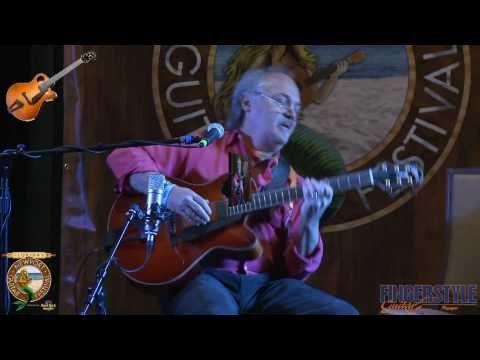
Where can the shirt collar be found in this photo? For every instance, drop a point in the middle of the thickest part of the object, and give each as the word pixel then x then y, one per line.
pixel 240 143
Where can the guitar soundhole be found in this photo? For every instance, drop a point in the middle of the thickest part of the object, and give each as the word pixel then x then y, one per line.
pixel 40 78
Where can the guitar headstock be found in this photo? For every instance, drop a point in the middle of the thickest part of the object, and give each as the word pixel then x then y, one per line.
pixel 88 56
pixel 357 57
pixel 394 178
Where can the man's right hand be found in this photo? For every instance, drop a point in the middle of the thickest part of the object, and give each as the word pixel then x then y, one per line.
pixel 182 201
pixel 190 205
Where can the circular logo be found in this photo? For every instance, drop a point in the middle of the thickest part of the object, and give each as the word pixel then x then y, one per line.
pixel 29 279
pixel 391 103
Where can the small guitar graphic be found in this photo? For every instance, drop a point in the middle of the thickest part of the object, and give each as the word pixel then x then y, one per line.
pixel 24 100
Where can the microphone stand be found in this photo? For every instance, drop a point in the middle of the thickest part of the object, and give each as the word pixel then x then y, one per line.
pixel 5 211
pixel 98 293
pixel 6 157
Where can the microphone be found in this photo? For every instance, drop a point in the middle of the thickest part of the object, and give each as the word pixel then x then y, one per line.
pixel 152 214
pixel 215 131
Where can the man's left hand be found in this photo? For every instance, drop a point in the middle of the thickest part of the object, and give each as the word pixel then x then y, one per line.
pixel 318 197
pixel 342 68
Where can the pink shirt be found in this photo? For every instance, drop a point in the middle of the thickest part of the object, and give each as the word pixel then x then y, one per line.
pixel 278 229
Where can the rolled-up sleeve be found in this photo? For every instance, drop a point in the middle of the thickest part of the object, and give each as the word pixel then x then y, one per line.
pixel 126 162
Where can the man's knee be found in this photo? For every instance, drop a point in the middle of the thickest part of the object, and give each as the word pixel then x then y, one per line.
pixel 205 295
pixel 289 284
pixel 314 301
pixel 341 307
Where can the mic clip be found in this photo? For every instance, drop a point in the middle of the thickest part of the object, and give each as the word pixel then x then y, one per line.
pixel 190 140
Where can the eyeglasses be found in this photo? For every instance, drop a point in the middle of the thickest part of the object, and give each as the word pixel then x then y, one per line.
pixel 284 102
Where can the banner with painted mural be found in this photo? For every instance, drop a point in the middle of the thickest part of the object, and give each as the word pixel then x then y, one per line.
pixel 362 105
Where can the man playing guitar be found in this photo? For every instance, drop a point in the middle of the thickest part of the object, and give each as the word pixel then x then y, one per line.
pixel 264 113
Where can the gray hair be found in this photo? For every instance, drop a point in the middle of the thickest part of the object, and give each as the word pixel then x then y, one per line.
pixel 251 80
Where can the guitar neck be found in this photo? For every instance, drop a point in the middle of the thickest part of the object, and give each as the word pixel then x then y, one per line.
pixel 321 74
pixel 356 58
pixel 50 82
pixel 270 199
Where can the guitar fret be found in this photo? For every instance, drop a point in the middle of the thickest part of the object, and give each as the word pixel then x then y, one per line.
pixel 366 180
pixel 268 199
pixel 351 181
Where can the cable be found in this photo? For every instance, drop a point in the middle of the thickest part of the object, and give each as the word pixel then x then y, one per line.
pixel 97 149
pixel 7 216
pixel 130 271
pixel 5 196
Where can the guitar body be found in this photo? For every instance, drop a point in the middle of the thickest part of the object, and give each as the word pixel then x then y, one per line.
pixel 24 100
pixel 177 251
pixel 173 259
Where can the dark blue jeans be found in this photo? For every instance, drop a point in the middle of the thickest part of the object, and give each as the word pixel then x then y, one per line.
pixel 218 292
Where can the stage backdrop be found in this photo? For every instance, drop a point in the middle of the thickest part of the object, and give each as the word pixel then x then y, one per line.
pixel 394 103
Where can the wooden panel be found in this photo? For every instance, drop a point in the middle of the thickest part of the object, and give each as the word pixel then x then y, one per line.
pixel 107 101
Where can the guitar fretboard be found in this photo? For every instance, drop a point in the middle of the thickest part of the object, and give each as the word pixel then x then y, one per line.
pixel 50 82
pixel 269 199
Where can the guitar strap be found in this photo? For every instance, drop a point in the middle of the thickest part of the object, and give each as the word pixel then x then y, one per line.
pixel 237 187
pixel 280 175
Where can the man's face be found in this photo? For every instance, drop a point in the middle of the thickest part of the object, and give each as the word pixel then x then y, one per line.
pixel 272 111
